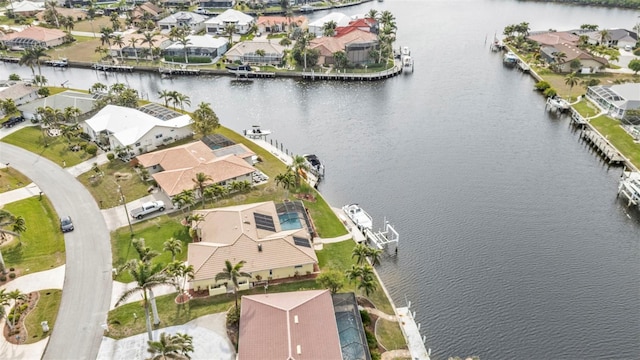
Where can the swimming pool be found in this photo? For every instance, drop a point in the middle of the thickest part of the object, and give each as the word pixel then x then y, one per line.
pixel 289 221
pixel 350 339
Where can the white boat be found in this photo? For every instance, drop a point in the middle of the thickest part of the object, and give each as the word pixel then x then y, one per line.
pixel 510 58
pixel 256 132
pixel 358 216
pixel 316 167
pixel 558 103
pixel 240 70
pixel 404 51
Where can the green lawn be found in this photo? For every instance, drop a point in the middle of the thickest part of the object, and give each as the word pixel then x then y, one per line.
pixel 586 108
pixel 105 188
pixel 11 179
pixel 390 335
pixel 46 310
pixel 610 128
pixel 154 232
pixel 41 247
pixel 123 324
pixel 57 150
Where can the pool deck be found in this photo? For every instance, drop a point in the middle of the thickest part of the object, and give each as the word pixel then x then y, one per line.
pixel 412 334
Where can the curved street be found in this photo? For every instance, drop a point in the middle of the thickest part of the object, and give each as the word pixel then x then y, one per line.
pixel 87 284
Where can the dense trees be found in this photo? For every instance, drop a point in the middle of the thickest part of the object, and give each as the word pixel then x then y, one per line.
pixel 205 120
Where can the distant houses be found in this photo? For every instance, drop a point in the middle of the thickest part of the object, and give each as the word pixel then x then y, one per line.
pixel 33 36
pixel 201 46
pixel 239 20
pixel 562 50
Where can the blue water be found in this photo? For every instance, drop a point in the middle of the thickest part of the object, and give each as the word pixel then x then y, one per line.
pixel 289 221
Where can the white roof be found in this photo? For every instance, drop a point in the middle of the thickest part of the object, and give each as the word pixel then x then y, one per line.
pixel 129 125
pixel 340 19
pixel 184 16
pixel 27 6
pixel 201 41
pixel 231 15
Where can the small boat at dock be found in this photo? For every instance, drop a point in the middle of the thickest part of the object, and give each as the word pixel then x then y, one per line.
pixel 256 132
pixel 510 59
pixel 316 167
pixel 359 217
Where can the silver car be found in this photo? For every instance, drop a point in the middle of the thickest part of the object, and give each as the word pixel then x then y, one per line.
pixel 66 224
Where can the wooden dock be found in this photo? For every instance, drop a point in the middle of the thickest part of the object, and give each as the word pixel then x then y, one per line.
pixel 603 147
pixel 396 70
pixel 112 67
pixel 577 119
pixel 178 71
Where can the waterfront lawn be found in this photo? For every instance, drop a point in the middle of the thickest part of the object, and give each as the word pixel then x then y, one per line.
pixel 122 323
pixel 11 179
pixel 586 108
pixel 84 49
pixel 154 232
pixel 57 150
pixel 46 310
pixel 610 128
pixel 104 188
pixel 390 335
pixel 39 248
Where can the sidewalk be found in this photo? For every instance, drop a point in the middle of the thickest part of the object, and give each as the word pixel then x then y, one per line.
pixel 19 194
pixel 85 166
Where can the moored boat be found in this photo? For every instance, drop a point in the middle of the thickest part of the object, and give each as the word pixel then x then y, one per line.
pixel 256 132
pixel 359 217
pixel 316 167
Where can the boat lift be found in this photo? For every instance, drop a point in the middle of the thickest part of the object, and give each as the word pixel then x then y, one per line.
pixel 386 239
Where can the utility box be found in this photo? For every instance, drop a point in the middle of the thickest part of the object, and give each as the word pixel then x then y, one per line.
pixel 45 326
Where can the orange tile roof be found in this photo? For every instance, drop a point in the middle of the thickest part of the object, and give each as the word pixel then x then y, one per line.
pixel 296 325
pixel 268 20
pixel 179 157
pixel 36 33
pixel 553 38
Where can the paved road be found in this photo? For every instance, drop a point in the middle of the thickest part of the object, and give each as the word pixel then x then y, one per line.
pixel 87 284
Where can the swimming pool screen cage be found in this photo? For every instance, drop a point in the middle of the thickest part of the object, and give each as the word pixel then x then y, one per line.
pixel 296 207
pixel 217 141
pixel 353 339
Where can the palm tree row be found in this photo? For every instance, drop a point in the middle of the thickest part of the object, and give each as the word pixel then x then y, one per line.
pixel 177 98
pixel 12 299
pixel 31 58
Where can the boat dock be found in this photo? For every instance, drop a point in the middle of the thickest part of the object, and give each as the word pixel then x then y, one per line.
pixel 629 187
pixel 10 59
pixel 577 119
pixel 523 66
pixel 411 331
pixel 386 239
pixel 178 71
pixel 312 75
pixel 112 67
pixel 602 146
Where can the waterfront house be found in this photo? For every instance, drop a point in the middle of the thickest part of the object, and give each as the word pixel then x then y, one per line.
pixel 60 101
pixel 122 127
pixel 588 63
pixel 277 24
pixel 247 53
pixel 364 24
pixel 355 43
pixel 148 10
pixel 551 38
pixel 142 49
pixel 274 245
pixel 241 21
pixel 316 27
pixel 617 100
pixel 173 169
pixel 311 324
pixel 615 38
pixel 18 91
pixel 34 36
pixel 75 14
pixel 194 22
pixel 199 45
pixel 26 8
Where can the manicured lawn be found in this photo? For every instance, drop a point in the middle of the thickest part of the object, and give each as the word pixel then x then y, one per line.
pixel 11 179
pixel 46 310
pixel 154 232
pixel 57 150
pixel 586 108
pixel 123 324
pixel 610 128
pixel 390 335
pixel 83 49
pixel 105 188
pixel 41 247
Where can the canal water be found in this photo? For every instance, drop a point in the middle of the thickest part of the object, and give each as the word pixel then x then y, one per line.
pixel 513 244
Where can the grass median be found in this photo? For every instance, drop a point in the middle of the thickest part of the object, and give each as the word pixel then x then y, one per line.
pixel 46 310
pixel 11 179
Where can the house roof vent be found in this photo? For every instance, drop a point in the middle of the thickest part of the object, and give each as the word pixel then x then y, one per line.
pixel 259 247
pixel 295 319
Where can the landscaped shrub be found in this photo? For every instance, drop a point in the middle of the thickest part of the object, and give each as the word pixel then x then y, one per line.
pixel 192 59
pixel 375 354
pixel 366 319
pixel 12 275
pixel 12 269
pixel 92 150
pixel 550 92
pixel 110 156
pixel 3 278
pixel 542 85
pixel 233 316
pixel 371 339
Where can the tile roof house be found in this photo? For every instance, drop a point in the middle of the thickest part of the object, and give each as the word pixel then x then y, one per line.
pixel 357 45
pixel 276 24
pixel 18 91
pixel 588 62
pixel 34 36
pixel 364 24
pixel 193 21
pixel 199 45
pixel 240 20
pixel 252 233
pixel 245 52
pixel 174 168
pixel 27 8
pixel 316 26
pixel 293 325
pixel 554 38
pixel 146 10
pixel 118 126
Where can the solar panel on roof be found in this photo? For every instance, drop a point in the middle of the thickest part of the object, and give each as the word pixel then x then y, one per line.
pixel 264 222
pixel 301 242
pixel 159 111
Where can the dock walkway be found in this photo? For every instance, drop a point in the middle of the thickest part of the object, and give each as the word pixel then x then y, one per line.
pixel 411 332
pixel 603 147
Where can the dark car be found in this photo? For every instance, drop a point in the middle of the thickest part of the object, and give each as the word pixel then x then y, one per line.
pixel 66 224
pixel 14 120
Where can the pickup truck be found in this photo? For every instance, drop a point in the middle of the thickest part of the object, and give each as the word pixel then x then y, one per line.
pixel 147 208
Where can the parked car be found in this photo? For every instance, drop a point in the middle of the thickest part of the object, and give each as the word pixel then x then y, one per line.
pixel 66 224
pixel 147 208
pixel 14 120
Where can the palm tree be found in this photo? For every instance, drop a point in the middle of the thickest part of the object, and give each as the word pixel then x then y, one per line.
pixel 105 37
pixel 148 39
pixel 171 347
pixel 184 40
pixel 18 226
pixel 329 28
pixel 31 57
pixel 200 182
pixel 71 113
pixel 185 199
pixel 146 278
pixel 165 95
pixel 285 42
pixel 118 40
pixel 604 36
pixel 571 80
pixel 374 256
pixel 174 246
pixel 298 166
pixel 183 99
pixel 232 273
pixel 360 252
pixel 205 120
pixel 367 284
pixel 180 271
pixel 229 30
pixel 144 252
pixel 17 296
pixel 132 42
pixel 287 179
pixel 372 14
pixel 354 274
